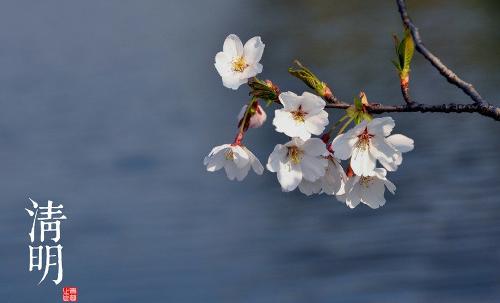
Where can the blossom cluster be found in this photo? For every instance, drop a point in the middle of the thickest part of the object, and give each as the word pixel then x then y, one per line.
pixel 311 164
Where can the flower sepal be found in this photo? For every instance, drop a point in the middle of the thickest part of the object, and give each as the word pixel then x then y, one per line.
pixel 264 90
pixel 359 111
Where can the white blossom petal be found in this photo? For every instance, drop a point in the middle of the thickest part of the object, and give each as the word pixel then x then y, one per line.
pixel 343 145
pixel 313 167
pixel 214 151
pixel 353 192
pixel 284 123
pixel 381 126
pixel 391 164
pixel 312 104
pixel 233 82
pixel 362 162
pixel 233 46
pixel 384 152
pixel 315 147
pixel 231 170
pixel 215 162
pixel 282 120
pixel 251 71
pixel 390 186
pixel 241 157
pixel 315 124
pixel 278 155
pixel 358 129
pixel 308 188
pixel 401 143
pixel 215 159
pixel 223 64
pixel 254 162
pixel 373 195
pixel 253 50
pixel 333 183
pixel 380 173
pixel 289 176
pixel 290 101
pixel 242 173
pixel 296 141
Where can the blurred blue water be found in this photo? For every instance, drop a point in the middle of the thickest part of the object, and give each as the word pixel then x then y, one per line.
pixel 110 106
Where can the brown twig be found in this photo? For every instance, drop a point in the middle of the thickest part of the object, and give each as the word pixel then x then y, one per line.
pixel 435 61
pixel 479 106
pixel 488 111
pixel 377 108
pixel 405 91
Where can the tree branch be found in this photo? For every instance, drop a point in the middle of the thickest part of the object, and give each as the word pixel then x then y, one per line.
pixel 435 61
pixel 479 106
pixel 488 111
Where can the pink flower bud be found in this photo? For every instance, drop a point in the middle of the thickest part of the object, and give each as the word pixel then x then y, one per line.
pixel 257 119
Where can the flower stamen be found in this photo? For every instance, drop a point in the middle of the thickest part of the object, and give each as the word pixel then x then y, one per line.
pixel 366 181
pixel 294 154
pixel 299 115
pixel 239 64
pixel 364 140
pixel 229 155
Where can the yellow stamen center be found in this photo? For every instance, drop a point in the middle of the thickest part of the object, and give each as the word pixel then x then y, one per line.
pixel 364 140
pixel 239 64
pixel 294 154
pixel 299 115
pixel 366 181
pixel 229 155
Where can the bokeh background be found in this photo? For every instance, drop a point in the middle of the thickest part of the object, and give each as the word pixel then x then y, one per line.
pixel 110 106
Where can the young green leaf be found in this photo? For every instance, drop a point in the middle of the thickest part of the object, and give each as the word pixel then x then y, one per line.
pixel 409 49
pixel 404 52
pixel 309 78
pixel 358 104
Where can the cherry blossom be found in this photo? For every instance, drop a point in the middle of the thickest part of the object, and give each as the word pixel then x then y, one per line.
pixel 236 160
pixel 300 116
pixel 332 183
pixel 237 62
pixel 367 142
pixel 367 189
pixel 298 160
pixel 257 119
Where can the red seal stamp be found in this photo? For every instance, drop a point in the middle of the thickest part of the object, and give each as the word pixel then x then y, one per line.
pixel 70 294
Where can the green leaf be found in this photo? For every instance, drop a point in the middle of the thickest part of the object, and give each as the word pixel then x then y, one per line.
pixel 351 112
pixel 401 52
pixel 408 48
pixel 358 119
pixel 308 77
pixel 396 42
pixel 358 104
pixel 368 117
pixel 396 64
pixel 404 51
